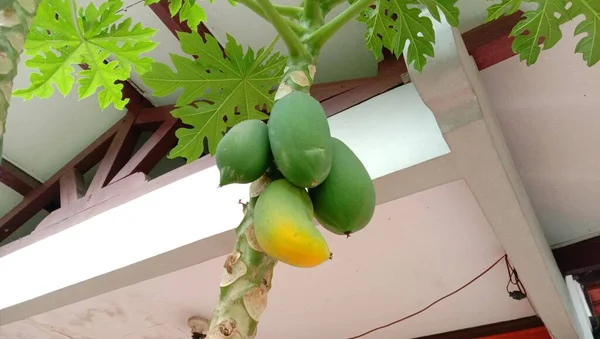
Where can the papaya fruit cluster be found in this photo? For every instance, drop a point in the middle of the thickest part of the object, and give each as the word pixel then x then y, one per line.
pixel 320 177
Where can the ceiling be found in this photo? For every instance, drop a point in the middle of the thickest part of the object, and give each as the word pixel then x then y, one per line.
pixel 341 298
pixel 43 135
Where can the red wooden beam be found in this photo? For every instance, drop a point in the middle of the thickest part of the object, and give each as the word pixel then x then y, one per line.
pixel 488 32
pixel 43 194
pixel 389 76
pixel 328 90
pixel 522 326
pixel 489 43
pixel 121 144
pixel 580 257
pixel 71 187
pixel 161 9
pixel 153 150
pixel 153 116
pixel 15 178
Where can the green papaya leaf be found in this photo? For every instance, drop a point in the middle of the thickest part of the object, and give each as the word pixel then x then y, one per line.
pixel 61 36
pixel 393 24
pixel 217 91
pixel 448 7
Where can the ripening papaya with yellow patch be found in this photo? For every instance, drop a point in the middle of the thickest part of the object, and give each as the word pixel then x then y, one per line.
pixel 283 226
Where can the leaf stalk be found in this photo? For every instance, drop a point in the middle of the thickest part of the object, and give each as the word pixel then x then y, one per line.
pixel 292 41
pixel 321 35
pixel 285 11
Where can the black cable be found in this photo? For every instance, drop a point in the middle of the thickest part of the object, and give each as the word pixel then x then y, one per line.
pixel 513 278
pixel 433 303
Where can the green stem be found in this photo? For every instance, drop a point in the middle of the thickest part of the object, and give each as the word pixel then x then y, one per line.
pixel 248 270
pixel 320 36
pixel 15 18
pixel 244 286
pixel 327 6
pixel 293 12
pixel 292 41
pixel 312 14
pixel 254 7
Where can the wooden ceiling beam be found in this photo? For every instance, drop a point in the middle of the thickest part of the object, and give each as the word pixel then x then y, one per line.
pixel 153 150
pixel 40 196
pixel 490 43
pixel 71 187
pixel 21 182
pixel 335 97
pixel 121 147
pixel 154 116
pixel 17 179
pixel 161 9
pixel 580 258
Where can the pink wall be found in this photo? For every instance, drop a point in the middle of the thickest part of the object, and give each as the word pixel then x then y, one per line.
pixel 550 116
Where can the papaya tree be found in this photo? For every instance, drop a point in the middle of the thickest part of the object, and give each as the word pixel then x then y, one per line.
pixel 295 169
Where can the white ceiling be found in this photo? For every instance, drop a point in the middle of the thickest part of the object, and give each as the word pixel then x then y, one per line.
pixel 426 245
pixel 43 135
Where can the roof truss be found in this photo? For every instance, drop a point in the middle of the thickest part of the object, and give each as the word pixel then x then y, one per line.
pixel 114 149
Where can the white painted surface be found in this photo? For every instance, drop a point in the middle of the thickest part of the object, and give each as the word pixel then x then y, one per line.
pixel 425 246
pixel 250 29
pixel 399 114
pixel 549 115
pixel 493 177
pixel 581 307
pixel 219 211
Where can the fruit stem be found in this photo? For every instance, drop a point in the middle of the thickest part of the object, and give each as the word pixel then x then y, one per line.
pixel 15 19
pixel 248 270
pixel 321 35
pixel 244 286
pixel 292 41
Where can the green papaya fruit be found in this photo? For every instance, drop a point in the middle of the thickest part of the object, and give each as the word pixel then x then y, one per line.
pixel 284 228
pixel 244 154
pixel 300 139
pixel 345 202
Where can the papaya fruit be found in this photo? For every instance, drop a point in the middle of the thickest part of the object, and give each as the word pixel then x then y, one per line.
pixel 243 154
pixel 300 139
pixel 345 202
pixel 283 225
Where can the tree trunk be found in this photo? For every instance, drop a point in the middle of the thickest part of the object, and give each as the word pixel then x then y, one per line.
pixel 15 19
pixel 248 270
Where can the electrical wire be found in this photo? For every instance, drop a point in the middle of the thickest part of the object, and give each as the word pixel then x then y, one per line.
pixel 124 9
pixel 512 274
pixel 433 303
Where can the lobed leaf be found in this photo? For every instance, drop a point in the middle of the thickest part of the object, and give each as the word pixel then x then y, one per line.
pixel 447 7
pixel 218 91
pixel 589 45
pixel 394 23
pixel 540 25
pixel 506 7
pixel 61 37
pixel 540 28
pixel 189 12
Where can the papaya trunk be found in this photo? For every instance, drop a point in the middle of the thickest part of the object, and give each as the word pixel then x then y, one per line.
pixel 15 18
pixel 248 270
